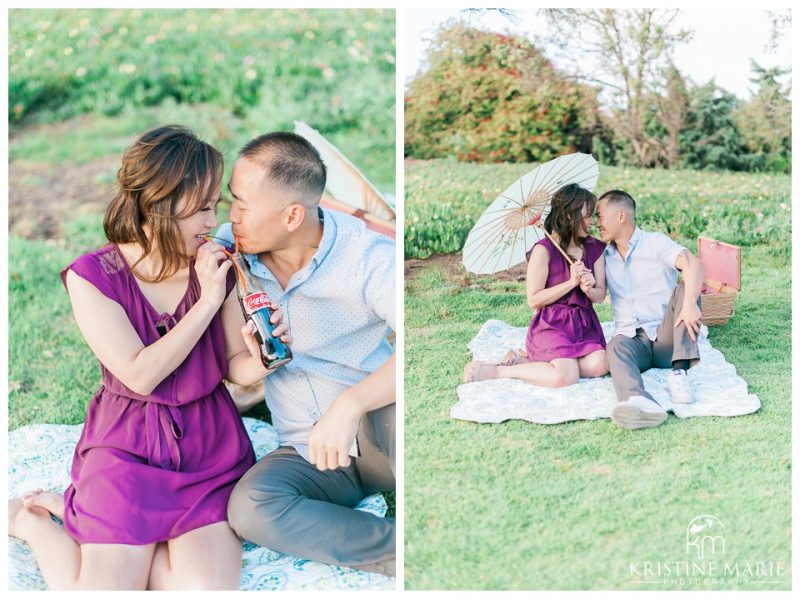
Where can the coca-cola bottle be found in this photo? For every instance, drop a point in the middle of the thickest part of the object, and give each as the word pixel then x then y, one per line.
pixel 257 307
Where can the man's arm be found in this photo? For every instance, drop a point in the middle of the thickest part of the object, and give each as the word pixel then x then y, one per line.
pixel 332 436
pixel 593 284
pixel 692 270
pixel 330 440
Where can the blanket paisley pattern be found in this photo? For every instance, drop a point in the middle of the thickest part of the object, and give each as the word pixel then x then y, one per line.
pixel 40 455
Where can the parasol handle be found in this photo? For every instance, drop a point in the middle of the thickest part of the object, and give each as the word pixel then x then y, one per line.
pixel 569 260
pixel 537 222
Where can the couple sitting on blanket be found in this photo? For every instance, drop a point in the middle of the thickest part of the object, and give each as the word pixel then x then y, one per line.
pixel 164 480
pixel 656 321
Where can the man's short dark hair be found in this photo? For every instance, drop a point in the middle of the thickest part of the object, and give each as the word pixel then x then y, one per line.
pixel 291 161
pixel 620 198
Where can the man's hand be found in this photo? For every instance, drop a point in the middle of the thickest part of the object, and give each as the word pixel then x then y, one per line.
pixel 576 270
pixel 281 330
pixel 691 315
pixel 587 281
pixel 692 270
pixel 333 434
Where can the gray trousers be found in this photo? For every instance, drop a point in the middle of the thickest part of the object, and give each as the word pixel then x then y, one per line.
pixel 628 357
pixel 286 504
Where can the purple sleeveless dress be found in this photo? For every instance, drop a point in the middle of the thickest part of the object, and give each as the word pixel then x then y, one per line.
pixel 569 327
pixel 148 468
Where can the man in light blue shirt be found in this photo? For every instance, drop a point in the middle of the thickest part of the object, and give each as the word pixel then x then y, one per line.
pixel 656 322
pixel 335 281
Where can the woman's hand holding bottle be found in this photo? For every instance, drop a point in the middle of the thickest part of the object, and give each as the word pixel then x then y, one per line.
pixel 212 268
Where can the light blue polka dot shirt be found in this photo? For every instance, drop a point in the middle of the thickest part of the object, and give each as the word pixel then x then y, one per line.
pixel 340 308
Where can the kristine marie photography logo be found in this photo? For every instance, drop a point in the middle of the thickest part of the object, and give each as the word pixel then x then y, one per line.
pixel 704 563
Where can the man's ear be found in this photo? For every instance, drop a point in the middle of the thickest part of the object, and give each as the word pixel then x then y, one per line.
pixel 296 214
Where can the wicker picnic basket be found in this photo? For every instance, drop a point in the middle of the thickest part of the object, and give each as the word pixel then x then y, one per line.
pixel 722 270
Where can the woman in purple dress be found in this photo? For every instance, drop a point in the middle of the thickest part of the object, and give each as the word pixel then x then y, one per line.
pixel 565 340
pixel 163 444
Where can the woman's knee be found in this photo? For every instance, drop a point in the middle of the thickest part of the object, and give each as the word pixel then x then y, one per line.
pixel 566 375
pixel 115 567
pixel 594 365
pixel 566 379
pixel 204 559
pixel 595 371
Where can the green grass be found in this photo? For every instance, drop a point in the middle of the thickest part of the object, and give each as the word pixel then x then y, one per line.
pixel 86 139
pixel 52 372
pixel 526 506
pixel 444 198
pixel 334 69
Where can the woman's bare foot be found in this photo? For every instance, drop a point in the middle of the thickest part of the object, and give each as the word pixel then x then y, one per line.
pixel 52 502
pixel 479 371
pixel 514 357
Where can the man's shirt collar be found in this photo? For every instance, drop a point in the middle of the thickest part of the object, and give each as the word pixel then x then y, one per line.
pixel 325 246
pixel 611 248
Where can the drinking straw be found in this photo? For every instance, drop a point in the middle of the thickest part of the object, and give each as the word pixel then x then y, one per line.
pixel 239 271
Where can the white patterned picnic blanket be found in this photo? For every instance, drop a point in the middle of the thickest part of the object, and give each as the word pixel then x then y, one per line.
pixel 717 389
pixel 40 455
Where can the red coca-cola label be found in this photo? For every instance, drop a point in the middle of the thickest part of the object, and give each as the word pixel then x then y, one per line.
pixel 256 301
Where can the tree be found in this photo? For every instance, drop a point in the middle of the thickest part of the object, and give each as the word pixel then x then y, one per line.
pixel 511 15
pixel 671 109
pixel 766 120
pixel 490 97
pixel 629 52
pixel 780 21
pixel 711 139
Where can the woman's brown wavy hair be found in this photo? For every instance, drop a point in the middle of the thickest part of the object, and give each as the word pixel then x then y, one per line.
pixel 164 165
pixel 566 212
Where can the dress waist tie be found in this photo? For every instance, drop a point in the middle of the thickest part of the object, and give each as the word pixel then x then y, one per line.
pixel 581 310
pixel 164 423
pixel 163 428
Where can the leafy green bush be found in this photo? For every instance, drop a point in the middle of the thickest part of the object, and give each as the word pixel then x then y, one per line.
pixel 338 63
pixel 489 97
pixel 444 198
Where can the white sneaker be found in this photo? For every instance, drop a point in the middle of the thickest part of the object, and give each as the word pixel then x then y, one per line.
pixel 638 412
pixel 678 383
